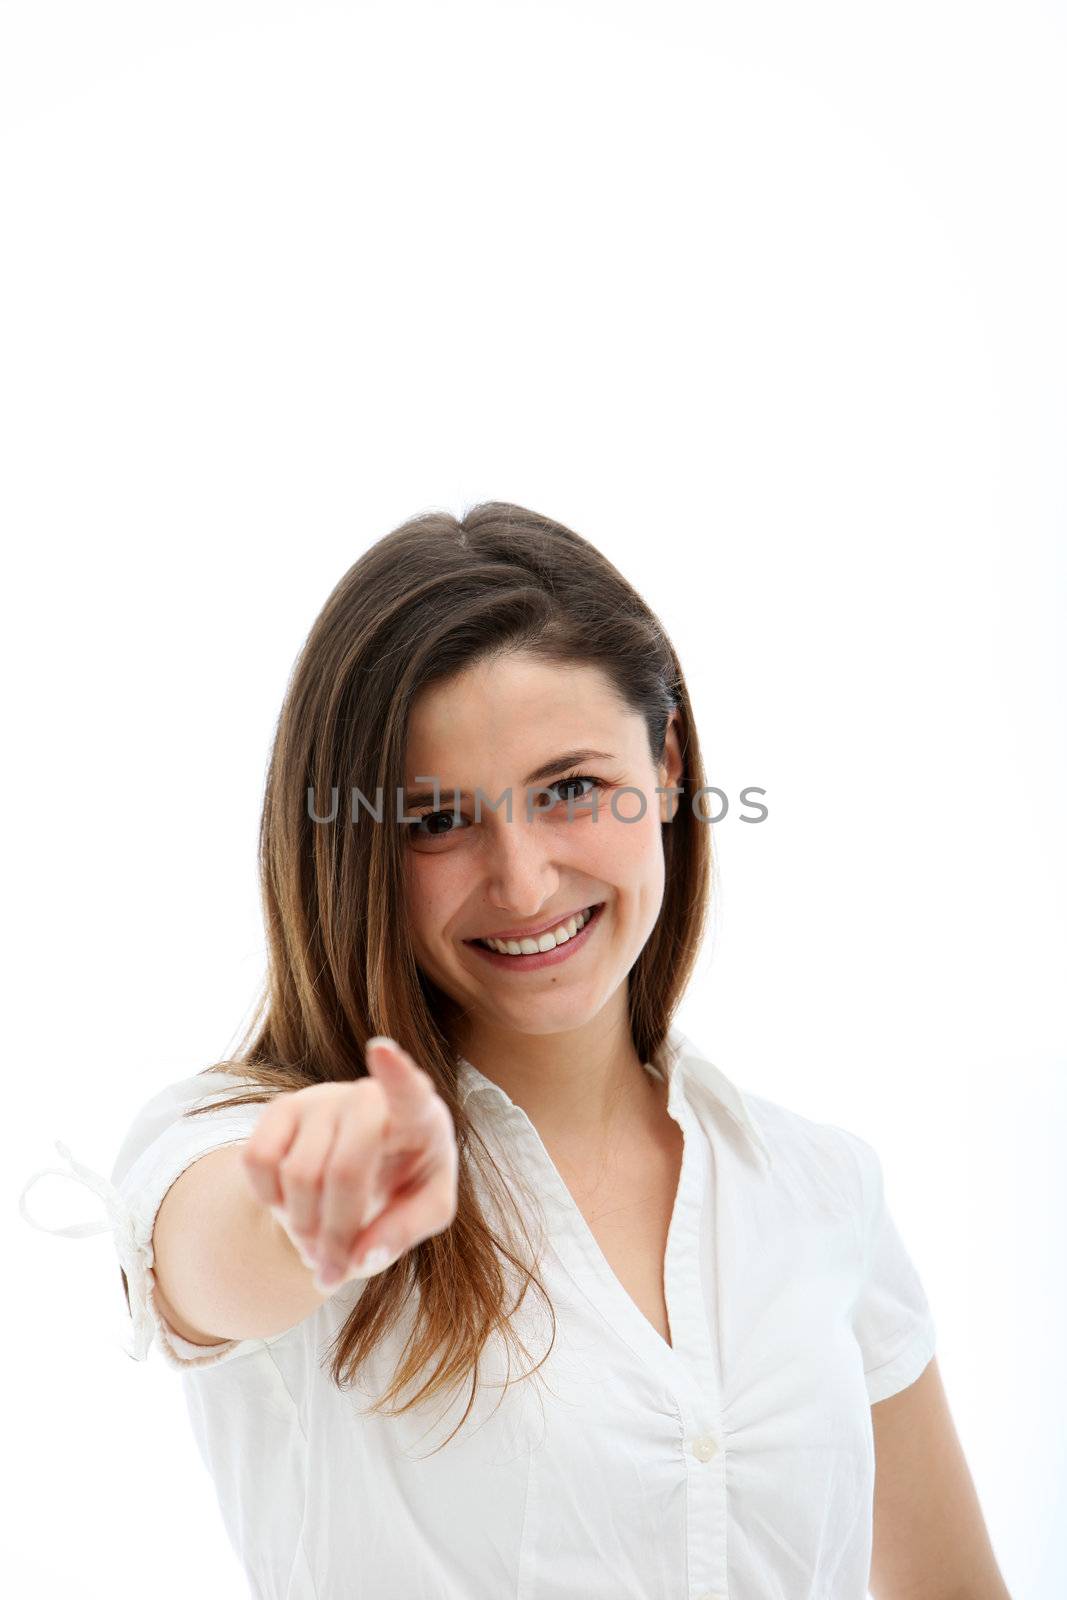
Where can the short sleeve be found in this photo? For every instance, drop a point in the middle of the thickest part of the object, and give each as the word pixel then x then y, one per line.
pixel 892 1319
pixel 159 1145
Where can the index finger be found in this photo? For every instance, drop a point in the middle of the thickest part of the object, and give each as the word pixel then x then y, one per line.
pixel 408 1089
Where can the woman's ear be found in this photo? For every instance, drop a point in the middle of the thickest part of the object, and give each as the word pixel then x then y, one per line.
pixel 669 770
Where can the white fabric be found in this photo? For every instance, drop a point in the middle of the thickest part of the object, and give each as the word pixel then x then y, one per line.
pixel 738 1463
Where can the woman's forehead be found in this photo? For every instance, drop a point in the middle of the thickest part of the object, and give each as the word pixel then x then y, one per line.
pixel 520 701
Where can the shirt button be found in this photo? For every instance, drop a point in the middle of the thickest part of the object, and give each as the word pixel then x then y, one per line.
pixel 704 1448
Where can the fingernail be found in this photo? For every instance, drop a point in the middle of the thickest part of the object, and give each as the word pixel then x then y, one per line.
pixel 380 1038
pixel 375 1260
pixel 326 1277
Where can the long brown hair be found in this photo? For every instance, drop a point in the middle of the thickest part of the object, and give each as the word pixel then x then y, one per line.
pixel 423 603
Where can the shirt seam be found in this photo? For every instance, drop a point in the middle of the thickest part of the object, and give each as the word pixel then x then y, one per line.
pixel 303 1434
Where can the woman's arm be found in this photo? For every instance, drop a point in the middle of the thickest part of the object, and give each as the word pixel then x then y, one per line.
pixel 930 1539
pixel 222 1260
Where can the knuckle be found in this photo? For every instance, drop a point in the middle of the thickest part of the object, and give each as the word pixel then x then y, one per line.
pixel 368 1088
pixel 367 1100
pixel 300 1175
pixel 257 1156
pixel 428 1116
pixel 344 1170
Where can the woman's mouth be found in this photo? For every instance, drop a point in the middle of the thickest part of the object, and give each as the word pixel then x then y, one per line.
pixel 533 960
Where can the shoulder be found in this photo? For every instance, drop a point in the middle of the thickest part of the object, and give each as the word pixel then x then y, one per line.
pixel 788 1129
pixel 833 1160
pixel 163 1116
pixel 803 1155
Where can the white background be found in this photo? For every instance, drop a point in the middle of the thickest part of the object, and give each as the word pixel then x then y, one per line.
pixel 767 301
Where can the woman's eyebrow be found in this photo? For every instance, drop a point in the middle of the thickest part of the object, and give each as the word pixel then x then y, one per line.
pixel 547 769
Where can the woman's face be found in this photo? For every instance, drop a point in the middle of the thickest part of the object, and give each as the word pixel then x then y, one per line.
pixel 491 729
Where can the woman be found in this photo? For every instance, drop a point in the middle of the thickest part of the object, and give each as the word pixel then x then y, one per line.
pixel 470 1129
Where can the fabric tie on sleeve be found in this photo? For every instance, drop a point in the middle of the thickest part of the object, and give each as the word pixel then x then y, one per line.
pixel 121 1224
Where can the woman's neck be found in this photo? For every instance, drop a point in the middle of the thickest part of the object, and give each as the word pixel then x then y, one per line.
pixel 580 1089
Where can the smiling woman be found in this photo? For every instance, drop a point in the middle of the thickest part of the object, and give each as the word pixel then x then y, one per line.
pixel 527 869
pixel 465 1083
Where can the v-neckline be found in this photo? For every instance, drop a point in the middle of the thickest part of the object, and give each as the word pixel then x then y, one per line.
pixel 577 1248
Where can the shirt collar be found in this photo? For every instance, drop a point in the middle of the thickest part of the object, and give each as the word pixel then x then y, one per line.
pixel 684 1065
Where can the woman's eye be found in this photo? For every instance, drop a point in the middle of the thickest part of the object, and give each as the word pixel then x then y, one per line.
pixel 577 777
pixel 442 824
pixel 439 825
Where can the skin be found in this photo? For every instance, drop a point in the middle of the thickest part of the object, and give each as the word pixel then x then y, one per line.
pixel 557 1041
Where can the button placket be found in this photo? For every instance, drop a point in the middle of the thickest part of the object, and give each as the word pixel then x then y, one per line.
pixel 697 1376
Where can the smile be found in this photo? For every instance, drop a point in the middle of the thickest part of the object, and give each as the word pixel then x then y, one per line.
pixel 549 950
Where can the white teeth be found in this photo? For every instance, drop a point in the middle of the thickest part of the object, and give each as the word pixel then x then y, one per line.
pixel 544 941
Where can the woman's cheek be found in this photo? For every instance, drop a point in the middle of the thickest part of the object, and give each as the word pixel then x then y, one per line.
pixel 429 895
pixel 613 847
pixel 628 836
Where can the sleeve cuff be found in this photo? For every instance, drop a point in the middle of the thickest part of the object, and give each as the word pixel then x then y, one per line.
pixel 907 1362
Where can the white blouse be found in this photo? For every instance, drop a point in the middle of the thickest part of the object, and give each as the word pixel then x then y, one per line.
pixel 736 1463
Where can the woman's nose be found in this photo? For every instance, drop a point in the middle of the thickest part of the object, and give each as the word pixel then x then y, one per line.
pixel 520 869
